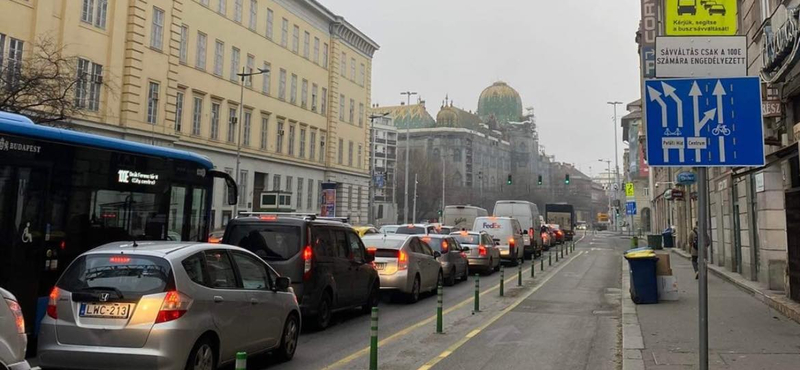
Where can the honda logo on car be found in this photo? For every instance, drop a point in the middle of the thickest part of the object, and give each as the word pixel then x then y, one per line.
pixel 138 178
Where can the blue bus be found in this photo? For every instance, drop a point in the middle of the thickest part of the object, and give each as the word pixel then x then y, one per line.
pixel 64 192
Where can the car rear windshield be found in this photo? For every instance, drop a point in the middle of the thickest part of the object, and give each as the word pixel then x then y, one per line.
pixel 383 243
pixel 126 274
pixel 434 243
pixel 270 242
pixel 410 230
pixel 468 239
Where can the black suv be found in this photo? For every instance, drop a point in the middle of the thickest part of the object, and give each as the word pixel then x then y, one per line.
pixel 326 260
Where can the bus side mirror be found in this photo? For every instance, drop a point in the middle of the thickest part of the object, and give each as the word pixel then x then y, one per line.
pixel 233 190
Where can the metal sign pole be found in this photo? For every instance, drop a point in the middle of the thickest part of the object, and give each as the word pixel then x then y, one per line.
pixel 702 203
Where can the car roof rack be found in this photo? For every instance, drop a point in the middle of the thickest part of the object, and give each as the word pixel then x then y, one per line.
pixel 304 216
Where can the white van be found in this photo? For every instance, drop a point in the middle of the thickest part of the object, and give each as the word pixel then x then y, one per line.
pixel 527 213
pixel 507 234
pixel 462 217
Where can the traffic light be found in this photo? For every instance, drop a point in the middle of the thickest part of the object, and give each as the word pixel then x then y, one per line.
pixel 508 182
pixel 440 213
pixel 566 179
pixel 540 180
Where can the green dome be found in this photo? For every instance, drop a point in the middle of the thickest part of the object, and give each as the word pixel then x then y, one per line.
pixel 500 101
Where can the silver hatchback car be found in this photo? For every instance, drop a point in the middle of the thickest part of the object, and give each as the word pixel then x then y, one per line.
pixel 13 340
pixel 167 305
pixel 405 264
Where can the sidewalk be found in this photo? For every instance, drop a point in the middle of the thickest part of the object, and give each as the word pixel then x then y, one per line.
pixel 743 332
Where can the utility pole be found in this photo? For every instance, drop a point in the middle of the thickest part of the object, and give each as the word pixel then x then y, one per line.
pixel 414 214
pixel 408 152
pixel 616 157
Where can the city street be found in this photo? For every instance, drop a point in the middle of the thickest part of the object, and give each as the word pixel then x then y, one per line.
pixel 565 318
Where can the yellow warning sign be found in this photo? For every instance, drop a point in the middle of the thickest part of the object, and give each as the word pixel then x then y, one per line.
pixel 629 190
pixel 700 17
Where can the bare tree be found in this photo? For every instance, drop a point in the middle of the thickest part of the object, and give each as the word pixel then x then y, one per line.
pixel 41 83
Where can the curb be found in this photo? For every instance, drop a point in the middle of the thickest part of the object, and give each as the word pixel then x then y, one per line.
pixel 632 340
pixel 778 303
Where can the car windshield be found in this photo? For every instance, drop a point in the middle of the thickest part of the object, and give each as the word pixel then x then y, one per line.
pixel 410 230
pixel 268 241
pixel 472 239
pixel 130 275
pixel 389 229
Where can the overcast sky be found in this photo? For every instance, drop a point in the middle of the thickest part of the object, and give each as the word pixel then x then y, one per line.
pixel 565 58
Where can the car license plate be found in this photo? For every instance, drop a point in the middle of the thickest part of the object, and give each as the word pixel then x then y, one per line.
pixel 105 310
pixel 504 252
pixel 380 266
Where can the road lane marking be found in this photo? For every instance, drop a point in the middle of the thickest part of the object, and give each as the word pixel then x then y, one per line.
pixel 428 320
pixel 430 364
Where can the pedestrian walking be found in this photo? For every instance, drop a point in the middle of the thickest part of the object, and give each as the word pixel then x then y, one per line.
pixel 694 241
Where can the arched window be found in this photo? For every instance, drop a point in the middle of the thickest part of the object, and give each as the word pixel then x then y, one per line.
pixel 457 155
pixel 458 180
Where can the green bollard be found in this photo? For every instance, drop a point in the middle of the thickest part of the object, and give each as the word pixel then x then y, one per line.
pixel 373 340
pixel 541 263
pixel 550 258
pixel 519 274
pixel 241 361
pixel 557 252
pixel 533 267
pixel 634 242
pixel 477 294
pixel 439 302
pixel 502 279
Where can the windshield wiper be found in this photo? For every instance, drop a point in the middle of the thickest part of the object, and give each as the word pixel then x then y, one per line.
pixel 105 288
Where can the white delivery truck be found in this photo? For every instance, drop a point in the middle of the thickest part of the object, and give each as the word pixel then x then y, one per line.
pixel 527 213
pixel 462 217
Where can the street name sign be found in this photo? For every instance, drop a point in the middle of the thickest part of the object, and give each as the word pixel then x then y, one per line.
pixel 719 56
pixel 704 122
pixel 686 178
pixel 700 17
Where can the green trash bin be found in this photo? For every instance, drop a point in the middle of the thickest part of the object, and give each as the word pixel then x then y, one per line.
pixel 654 241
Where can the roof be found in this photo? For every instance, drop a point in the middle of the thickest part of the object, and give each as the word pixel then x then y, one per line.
pixel 413 116
pixel 155 248
pixel 450 116
pixel 18 125
pixel 388 236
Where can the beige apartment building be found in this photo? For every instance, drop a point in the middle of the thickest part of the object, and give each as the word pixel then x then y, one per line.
pixel 165 72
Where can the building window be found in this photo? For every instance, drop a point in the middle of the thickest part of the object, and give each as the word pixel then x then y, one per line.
pixel 237 10
pixel 296 39
pixel 200 59
pixel 234 63
pixel 197 115
pixel 304 94
pixel 214 120
pixel 306 44
pixel 310 198
pixel 270 23
pixel 157 33
pixel 183 52
pixel 299 193
pixel 229 171
pixel 341 107
pixel 314 89
pixel 242 188
pixel 312 148
pixel 284 32
pixel 324 101
pixel 291 140
pixel 87 11
pixel 360 114
pixel 358 157
pixel 457 155
pixel 219 57
pixel 325 55
pixel 316 50
pixel 352 110
pixel 204 3
pixel 88 14
pixel 352 69
pixel 358 199
pixel 289 183
pixel 178 110
pixel 15 49
pixel 279 142
pixel 152 102
pixel 264 132
pixel 341 151
pixel 265 82
pixel 88 84
pixel 350 154
pixel 251 65
pixel 276 182
pixel 253 14
pixel 222 7
pixel 231 124
pixel 322 147
pixel 293 91
pixel 302 153
pixel 362 75
pixel 350 198
pixel 246 128
pixel 343 65
pixel 282 85
pixel 319 190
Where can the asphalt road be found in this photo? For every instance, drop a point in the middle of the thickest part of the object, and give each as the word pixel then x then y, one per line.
pixel 567 317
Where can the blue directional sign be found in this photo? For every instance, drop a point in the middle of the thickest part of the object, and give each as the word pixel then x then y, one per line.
pixel 686 178
pixel 630 208
pixel 704 122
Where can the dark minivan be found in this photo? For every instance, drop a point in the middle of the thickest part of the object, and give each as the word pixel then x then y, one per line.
pixel 328 264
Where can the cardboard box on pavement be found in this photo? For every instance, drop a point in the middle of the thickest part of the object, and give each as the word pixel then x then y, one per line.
pixel 663 267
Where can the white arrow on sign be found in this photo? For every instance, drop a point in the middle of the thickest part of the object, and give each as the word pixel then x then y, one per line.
pixel 656 96
pixel 670 91
pixel 695 93
pixel 699 126
pixel 719 92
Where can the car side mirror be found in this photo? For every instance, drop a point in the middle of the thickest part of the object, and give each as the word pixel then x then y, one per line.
pixel 282 283
pixel 436 254
pixel 233 190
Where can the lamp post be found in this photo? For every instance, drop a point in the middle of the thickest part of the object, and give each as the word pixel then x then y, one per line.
pixel 408 150
pixel 616 154
pixel 242 76
pixel 373 164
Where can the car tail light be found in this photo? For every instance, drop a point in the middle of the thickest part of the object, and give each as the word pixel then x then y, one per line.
pixel 268 217
pixel 174 306
pixel 308 254
pixel 16 311
pixel 402 260
pixel 52 309
pixel 482 251
pixel 511 242
pixel 444 246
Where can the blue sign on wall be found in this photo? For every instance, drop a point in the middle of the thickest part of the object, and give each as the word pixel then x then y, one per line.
pixel 686 178
pixel 630 208
pixel 704 122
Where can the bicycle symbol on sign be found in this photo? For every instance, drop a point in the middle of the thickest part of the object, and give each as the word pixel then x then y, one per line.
pixel 721 130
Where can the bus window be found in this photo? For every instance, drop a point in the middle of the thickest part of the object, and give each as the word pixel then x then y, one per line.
pixel 198 226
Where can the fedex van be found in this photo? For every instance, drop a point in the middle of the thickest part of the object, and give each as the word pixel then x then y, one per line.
pixel 527 213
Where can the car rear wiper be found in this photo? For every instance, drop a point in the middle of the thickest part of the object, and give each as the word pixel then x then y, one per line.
pixel 104 288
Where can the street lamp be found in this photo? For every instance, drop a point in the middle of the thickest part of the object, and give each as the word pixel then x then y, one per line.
pixel 616 150
pixel 373 164
pixel 243 76
pixel 408 150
